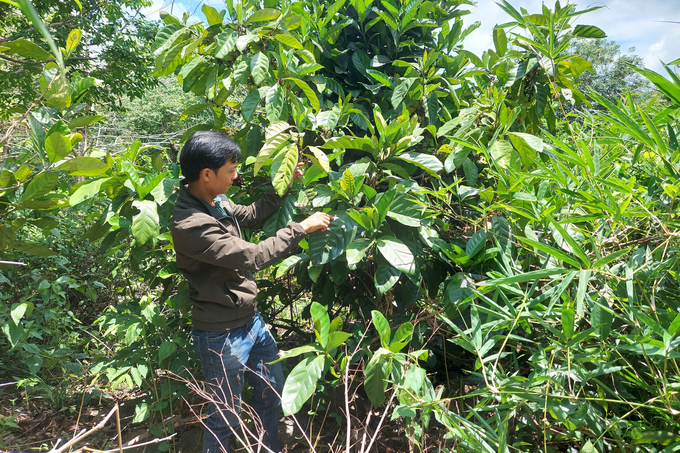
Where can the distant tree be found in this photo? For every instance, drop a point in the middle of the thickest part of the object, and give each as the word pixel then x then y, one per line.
pixel 114 48
pixel 611 73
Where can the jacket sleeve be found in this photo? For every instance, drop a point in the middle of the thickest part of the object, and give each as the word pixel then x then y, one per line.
pixel 212 245
pixel 255 213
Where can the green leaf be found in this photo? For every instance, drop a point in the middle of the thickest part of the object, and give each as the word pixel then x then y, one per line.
pixel 26 49
pixel 145 225
pixel 264 15
pixel 382 327
pixel 142 412
pixel 287 264
pixel 385 277
pixel 568 319
pixel 20 310
pixel 301 384
pixel 84 166
pixel 322 323
pixel 427 162
pixel 307 68
pixel 471 172
pixel 34 363
pixel 289 41
pixel 250 104
pixel 211 14
pixel 309 92
pixel 13 331
pixel 500 41
pixel 224 43
pixel 551 251
pixel 83 121
pixel 40 186
pixel 166 349
pixel 319 158
pixel 37 250
pixel 356 250
pixel 259 67
pixel 397 254
pixel 377 372
pixel 347 184
pixel 576 249
pixel 299 351
pixel 525 277
pixel 401 91
pixel 283 168
pixel 276 136
pixel 588 31
pixel 57 147
pixel 401 337
pixel 336 339
pixel 274 103
pixel 380 77
pixel 87 190
pixel 194 109
pixel 475 244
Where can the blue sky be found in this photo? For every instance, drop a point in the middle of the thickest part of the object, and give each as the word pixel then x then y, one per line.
pixel 631 23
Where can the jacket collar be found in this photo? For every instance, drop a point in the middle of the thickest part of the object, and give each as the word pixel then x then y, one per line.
pixel 188 196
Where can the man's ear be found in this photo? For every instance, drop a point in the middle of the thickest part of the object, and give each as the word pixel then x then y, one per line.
pixel 204 175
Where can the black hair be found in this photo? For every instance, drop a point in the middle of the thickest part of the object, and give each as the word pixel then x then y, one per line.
pixel 207 149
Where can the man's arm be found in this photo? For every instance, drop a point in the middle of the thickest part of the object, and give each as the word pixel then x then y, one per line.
pixel 209 243
pixel 255 213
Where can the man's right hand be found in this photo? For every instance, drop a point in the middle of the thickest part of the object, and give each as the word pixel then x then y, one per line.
pixel 316 221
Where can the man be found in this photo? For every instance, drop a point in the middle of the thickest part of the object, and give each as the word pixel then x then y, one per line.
pixel 229 334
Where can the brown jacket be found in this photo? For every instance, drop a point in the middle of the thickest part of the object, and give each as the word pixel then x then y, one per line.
pixel 218 263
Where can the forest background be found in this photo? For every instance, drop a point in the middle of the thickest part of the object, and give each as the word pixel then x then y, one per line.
pixel 501 275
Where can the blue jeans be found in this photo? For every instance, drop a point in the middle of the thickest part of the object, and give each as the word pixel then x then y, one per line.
pixel 229 357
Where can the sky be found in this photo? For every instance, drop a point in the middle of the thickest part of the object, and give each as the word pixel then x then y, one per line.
pixel 631 23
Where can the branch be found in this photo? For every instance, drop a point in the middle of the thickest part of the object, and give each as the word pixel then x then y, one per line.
pixel 82 436
pixel 13 60
pixel 15 263
pixel 128 447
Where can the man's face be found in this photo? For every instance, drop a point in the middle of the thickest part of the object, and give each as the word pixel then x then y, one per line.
pixel 221 181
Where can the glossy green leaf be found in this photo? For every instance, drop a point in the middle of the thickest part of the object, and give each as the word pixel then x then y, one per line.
pixel 264 15
pixel 145 226
pixel 84 166
pixel 356 250
pixel 194 109
pixel 274 103
pixel 83 121
pixel 283 168
pixel 57 147
pixel 397 254
pixel 382 327
pixel 288 40
pixel 249 105
pixel 301 384
pixel 589 31
pixel 224 43
pixel 26 49
pixel 40 186
pixel 259 67
pixel 377 372
pixel 211 14
pixel 309 92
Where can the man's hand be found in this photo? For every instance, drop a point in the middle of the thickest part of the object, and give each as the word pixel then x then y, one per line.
pixel 296 174
pixel 316 221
